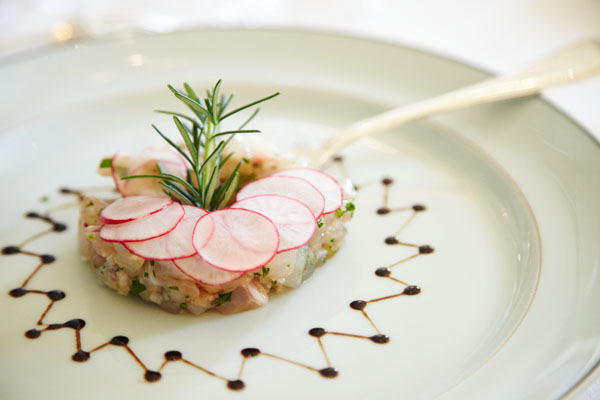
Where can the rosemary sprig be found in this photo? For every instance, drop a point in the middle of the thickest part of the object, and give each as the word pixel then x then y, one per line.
pixel 205 143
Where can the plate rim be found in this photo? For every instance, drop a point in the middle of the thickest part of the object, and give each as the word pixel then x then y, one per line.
pixel 579 387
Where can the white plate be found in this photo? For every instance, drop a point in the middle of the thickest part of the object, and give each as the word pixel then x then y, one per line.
pixel 510 299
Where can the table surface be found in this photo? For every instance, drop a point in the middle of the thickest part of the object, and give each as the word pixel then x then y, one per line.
pixel 498 36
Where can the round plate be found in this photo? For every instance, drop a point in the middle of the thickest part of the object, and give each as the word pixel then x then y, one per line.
pixel 486 219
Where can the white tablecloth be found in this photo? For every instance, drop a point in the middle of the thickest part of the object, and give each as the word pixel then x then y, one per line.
pixel 499 36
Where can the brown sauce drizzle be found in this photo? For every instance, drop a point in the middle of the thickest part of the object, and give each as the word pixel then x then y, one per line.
pixel 248 353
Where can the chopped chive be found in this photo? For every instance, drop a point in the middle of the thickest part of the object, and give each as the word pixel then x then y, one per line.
pixel 183 306
pixel 174 288
pixel 320 221
pixel 105 163
pixel 136 287
pixel 223 297
pixel 146 274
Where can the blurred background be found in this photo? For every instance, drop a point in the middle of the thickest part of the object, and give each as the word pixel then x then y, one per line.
pixel 498 36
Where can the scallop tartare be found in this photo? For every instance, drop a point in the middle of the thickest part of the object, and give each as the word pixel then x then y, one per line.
pixel 210 223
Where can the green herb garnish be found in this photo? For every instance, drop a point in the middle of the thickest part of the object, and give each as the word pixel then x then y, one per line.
pixel 183 306
pixel 350 207
pixel 152 262
pixel 105 163
pixel 44 199
pixel 136 287
pixel 91 203
pixel 223 297
pixel 205 143
pixel 146 274
pixel 265 271
pixel 174 288
pixel 320 222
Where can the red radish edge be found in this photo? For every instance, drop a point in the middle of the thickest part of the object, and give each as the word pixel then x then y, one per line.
pixel 240 274
pixel 246 269
pixel 234 205
pixel 111 221
pixel 130 245
pixel 326 210
pixel 173 204
pixel 112 174
pixel 291 177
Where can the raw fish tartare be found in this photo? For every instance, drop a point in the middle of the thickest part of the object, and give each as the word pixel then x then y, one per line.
pixel 211 223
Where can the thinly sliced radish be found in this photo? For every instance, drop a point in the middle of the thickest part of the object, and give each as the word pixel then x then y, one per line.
pixel 294 221
pixel 175 244
pixel 197 269
pixel 126 164
pixel 122 164
pixel 130 208
pixel 289 186
pixel 329 188
pixel 239 240
pixel 144 228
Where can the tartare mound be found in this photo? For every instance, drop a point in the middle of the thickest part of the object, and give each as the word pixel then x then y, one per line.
pixel 283 223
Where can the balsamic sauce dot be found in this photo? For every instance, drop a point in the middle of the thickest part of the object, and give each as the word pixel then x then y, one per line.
pixel 56 295
pixel 317 332
pixel 419 207
pixel 173 355
pixel 391 240
pixel 66 190
pixel 380 339
pixel 250 352
pixel 53 327
pixel 18 292
pixel 383 272
pixel 33 334
pixel 59 227
pixel 119 340
pixel 80 356
pixel 236 385
pixel 328 372
pixel 76 324
pixel 32 214
pixel 387 181
pixel 426 249
pixel 358 304
pixel 10 250
pixel 152 376
pixel 47 258
pixel 356 187
pixel 383 211
pixel 411 290
pixel 338 158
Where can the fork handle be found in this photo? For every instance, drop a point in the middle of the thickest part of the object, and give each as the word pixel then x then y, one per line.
pixel 573 63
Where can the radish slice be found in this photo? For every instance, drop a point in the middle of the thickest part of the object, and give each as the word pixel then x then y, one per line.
pixel 125 164
pixel 122 163
pixel 296 188
pixel 293 220
pixel 175 244
pixel 171 162
pixel 195 268
pixel 148 227
pixel 130 208
pixel 329 188
pixel 237 240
